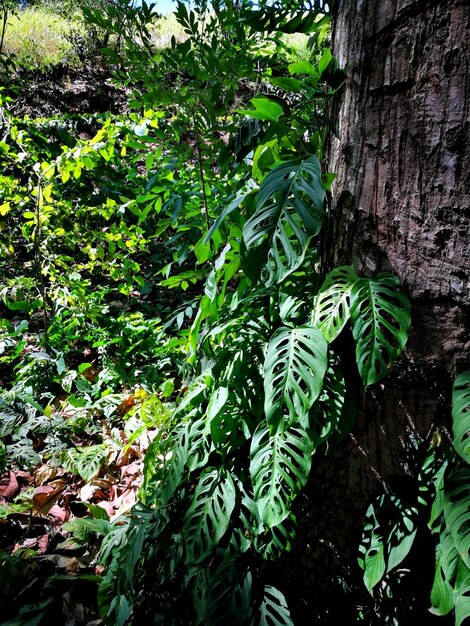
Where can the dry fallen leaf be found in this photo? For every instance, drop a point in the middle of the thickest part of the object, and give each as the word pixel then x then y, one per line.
pixel 46 496
pixel 9 486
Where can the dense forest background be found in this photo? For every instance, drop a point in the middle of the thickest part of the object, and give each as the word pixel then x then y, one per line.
pixel 234 297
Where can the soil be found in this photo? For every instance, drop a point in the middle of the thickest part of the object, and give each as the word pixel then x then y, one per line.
pixel 64 91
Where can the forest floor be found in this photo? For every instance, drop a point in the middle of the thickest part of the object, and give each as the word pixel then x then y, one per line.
pixel 68 91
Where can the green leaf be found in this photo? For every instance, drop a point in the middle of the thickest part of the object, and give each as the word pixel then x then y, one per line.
pixel 372 552
pixel 462 601
pixel 457 512
pixel 273 610
pixel 173 473
pixel 381 317
pixel 3 457
pixel 85 461
pixel 294 367
pixel 389 532
pixel 331 310
pixel 289 210
pixel 461 415
pixel 265 109
pixel 303 67
pixel 279 468
pixel 330 409
pixel 274 541
pixel 447 559
pixel 208 516
pixel 286 83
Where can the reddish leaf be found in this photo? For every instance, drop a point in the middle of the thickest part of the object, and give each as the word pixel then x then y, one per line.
pixel 9 486
pixel 46 496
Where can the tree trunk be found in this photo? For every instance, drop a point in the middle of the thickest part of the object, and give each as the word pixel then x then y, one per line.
pixel 400 130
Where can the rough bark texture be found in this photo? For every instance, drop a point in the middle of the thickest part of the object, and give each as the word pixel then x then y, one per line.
pixel 400 203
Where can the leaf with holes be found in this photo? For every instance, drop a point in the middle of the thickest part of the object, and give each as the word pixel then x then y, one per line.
pixel 85 461
pixel 457 512
pixel 273 610
pixel 461 415
pixel 447 561
pixel 289 210
pixel 222 594
pixel 208 516
pixel 331 310
pixel 462 601
pixel 381 317
pixel 294 367
pixel 279 468
pixel 330 409
pixel 389 532
pixel 273 542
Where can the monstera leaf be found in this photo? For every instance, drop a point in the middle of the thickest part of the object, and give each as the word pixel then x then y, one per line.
pixel 461 415
pixel 331 310
pixel 279 468
pixel 447 559
pixel 208 516
pixel 274 541
pixel 330 409
pixel 294 368
pixel 274 611
pixel 289 210
pixel 457 512
pixel 380 315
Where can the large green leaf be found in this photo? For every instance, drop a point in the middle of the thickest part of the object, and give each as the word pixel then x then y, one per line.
pixel 381 317
pixel 273 610
pixel 289 210
pixel 330 411
pixel 462 602
pixel 85 461
pixel 294 367
pixel 208 516
pixel 457 512
pixel 389 532
pixel 279 468
pixel 265 109
pixel 331 310
pixel 273 542
pixel 461 415
pixel 222 595
pixel 447 560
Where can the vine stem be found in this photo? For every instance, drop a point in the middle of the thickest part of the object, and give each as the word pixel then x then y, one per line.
pixel 37 257
pixel 205 210
pixel 4 27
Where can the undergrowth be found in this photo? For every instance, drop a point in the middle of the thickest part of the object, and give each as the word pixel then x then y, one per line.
pixel 172 333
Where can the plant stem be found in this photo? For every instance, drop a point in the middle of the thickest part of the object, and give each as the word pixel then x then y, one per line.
pixel 4 27
pixel 205 209
pixel 38 259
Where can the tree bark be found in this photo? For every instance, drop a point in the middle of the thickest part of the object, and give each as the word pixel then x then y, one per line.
pixel 400 130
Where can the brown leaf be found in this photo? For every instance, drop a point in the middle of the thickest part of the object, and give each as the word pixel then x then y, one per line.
pixel 9 486
pixel 91 373
pixel 58 514
pixel 126 405
pixel 44 473
pixel 43 543
pixel 45 497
